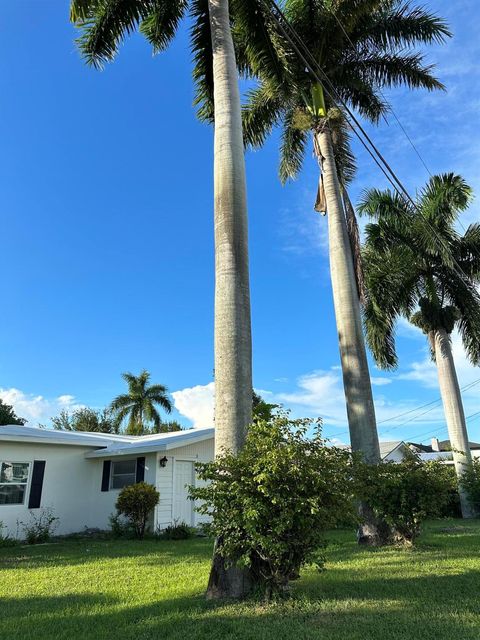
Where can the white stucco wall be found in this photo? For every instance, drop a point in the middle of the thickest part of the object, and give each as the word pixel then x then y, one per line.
pixel 71 486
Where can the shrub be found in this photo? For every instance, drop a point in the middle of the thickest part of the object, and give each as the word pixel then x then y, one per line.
pixel 404 494
pixel 120 527
pixel 41 526
pixel 177 531
pixel 5 539
pixel 271 503
pixel 136 503
pixel 471 484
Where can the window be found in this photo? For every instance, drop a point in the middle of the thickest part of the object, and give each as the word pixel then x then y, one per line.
pixel 13 482
pixel 124 473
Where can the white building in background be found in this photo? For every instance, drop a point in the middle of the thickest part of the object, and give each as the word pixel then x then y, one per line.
pixel 79 475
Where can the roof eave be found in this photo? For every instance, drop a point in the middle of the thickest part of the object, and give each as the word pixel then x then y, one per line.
pixel 166 446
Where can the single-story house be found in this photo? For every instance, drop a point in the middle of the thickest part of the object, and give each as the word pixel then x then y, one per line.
pixel 79 475
pixel 393 451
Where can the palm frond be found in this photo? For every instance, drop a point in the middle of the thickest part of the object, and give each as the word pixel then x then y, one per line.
pixel 263 110
pixel 355 244
pixel 393 70
pixel 160 26
pixel 105 24
pixel 201 46
pixel 398 25
pixel 292 149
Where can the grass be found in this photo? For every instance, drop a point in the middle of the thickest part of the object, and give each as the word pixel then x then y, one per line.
pixel 85 590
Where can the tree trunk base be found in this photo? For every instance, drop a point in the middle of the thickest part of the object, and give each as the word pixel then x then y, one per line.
pixel 228 583
pixel 372 532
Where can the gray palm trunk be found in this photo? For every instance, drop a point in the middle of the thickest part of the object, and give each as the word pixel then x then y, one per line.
pixel 356 375
pixel 233 348
pixel 453 409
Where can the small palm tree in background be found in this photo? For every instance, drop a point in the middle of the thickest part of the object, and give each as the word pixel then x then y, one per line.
pixel 419 267
pixel 138 407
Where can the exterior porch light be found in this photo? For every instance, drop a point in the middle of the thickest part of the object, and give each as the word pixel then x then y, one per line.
pixel 163 461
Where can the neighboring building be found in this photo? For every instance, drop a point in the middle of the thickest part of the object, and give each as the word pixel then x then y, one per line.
pixel 79 475
pixel 393 451
pixel 440 450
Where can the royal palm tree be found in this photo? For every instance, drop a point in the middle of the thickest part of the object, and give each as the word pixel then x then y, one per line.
pixel 418 266
pixel 359 47
pixel 138 407
pixel 104 26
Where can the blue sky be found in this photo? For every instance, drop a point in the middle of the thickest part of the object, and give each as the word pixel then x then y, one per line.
pixel 106 219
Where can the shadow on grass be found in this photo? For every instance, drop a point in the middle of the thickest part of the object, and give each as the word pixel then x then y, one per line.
pixel 427 607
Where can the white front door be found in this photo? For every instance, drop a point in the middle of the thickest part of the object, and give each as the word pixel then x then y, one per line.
pixel 183 507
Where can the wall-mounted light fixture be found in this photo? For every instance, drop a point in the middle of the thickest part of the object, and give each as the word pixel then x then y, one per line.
pixel 163 461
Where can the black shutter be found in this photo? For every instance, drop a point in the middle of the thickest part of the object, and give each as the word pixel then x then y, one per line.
pixel 35 498
pixel 140 470
pixel 106 475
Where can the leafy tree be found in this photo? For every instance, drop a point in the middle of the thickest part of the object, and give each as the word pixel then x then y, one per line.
pixel 8 415
pixel 470 481
pixel 271 503
pixel 136 502
pixel 360 47
pixel 263 410
pixel 167 427
pixel 418 266
pixel 139 405
pixel 86 419
pixel 405 494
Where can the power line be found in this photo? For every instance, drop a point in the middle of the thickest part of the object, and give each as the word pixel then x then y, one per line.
pixel 422 406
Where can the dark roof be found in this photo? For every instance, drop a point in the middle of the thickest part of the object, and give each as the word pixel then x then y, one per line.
pixel 444 445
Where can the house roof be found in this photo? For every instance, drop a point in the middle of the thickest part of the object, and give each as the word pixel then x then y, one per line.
pixel 156 442
pixel 22 433
pixel 106 444
pixel 388 447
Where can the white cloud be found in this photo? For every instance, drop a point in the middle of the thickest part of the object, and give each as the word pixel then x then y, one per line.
pixel 197 404
pixel 37 409
pixel 425 370
pixel 380 382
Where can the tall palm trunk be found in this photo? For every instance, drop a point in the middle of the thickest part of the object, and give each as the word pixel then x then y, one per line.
pixel 233 349
pixel 356 376
pixel 453 409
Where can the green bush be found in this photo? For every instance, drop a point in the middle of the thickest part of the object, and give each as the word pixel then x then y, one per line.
pixel 177 531
pixel 41 526
pixel 5 539
pixel 120 527
pixel 271 504
pixel 405 494
pixel 471 484
pixel 136 502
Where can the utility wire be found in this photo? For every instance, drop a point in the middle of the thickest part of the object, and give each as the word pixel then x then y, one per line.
pixel 422 406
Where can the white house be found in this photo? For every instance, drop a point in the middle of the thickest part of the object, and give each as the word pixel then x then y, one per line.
pixel 79 475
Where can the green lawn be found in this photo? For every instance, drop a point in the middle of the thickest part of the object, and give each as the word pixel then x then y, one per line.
pixel 132 591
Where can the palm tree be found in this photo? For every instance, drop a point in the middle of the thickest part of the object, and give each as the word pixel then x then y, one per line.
pixel 104 25
pixel 360 47
pixel 139 405
pixel 419 267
